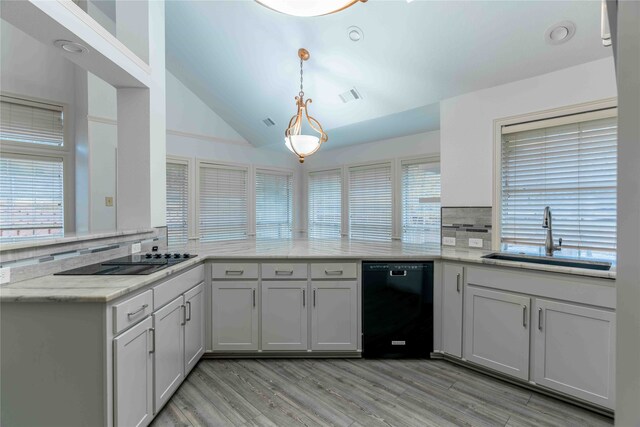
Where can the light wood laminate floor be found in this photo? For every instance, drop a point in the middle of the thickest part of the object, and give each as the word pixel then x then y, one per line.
pixel 357 392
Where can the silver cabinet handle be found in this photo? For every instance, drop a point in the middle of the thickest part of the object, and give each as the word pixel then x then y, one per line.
pixel 524 316
pixel 284 272
pixel 333 272
pixel 153 340
pixel 138 310
pixel 458 282
pixel 254 297
pixel 234 272
pixel 189 307
pixel 304 297
pixel 540 318
pixel 184 314
pixel 314 297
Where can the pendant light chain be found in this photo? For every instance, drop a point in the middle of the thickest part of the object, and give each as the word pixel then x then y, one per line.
pixel 301 91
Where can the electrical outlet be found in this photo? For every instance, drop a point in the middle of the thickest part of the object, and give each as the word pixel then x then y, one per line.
pixel 5 275
pixel 475 243
pixel 136 247
pixel 449 241
pixel 108 201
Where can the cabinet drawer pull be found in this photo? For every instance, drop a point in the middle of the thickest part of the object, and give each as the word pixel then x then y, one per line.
pixel 284 272
pixel 524 316
pixel 153 340
pixel 333 272
pixel 458 282
pixel 234 272
pixel 254 297
pixel 138 310
pixel 189 307
pixel 314 297
pixel 184 314
pixel 304 297
pixel 539 318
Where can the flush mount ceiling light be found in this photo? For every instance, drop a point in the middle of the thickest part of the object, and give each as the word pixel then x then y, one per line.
pixel 298 143
pixel 69 46
pixel 308 7
pixel 560 32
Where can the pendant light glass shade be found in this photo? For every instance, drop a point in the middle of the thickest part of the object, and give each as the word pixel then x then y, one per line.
pixel 308 7
pixel 304 144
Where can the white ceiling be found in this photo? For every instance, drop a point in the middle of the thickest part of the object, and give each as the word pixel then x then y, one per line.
pixel 240 59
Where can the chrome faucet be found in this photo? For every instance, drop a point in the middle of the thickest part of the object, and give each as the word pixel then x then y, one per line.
pixel 549 247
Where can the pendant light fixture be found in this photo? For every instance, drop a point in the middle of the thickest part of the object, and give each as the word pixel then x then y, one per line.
pixel 303 145
pixel 308 7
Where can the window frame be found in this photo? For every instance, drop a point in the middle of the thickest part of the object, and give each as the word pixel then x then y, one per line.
pixel 187 161
pixel 498 124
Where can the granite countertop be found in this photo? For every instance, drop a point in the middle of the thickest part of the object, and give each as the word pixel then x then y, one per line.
pixel 107 288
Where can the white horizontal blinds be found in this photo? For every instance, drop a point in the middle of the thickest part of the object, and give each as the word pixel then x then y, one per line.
pixel 31 122
pixel 177 203
pixel 31 198
pixel 370 202
pixel 421 202
pixel 274 205
pixel 222 203
pixel 572 169
pixel 325 204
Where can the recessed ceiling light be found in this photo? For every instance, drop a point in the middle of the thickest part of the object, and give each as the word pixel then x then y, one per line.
pixel 355 34
pixel 69 46
pixel 560 32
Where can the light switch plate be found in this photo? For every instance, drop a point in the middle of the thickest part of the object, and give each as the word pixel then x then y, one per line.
pixel 475 243
pixel 5 275
pixel 449 241
pixel 136 247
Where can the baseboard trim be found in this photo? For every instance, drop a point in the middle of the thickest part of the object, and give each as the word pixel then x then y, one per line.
pixel 283 355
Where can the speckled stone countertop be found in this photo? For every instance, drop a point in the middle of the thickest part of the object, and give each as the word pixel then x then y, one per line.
pixel 107 288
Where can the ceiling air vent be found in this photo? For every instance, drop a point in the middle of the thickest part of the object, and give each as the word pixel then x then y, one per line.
pixel 269 122
pixel 350 95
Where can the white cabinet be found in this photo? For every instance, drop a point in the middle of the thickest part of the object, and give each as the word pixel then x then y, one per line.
pixel 133 376
pixel 497 330
pixel 284 315
pixel 334 318
pixel 234 315
pixel 452 292
pixel 574 350
pixel 194 327
pixel 168 368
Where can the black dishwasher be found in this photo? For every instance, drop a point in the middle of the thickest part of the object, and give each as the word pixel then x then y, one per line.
pixel 397 309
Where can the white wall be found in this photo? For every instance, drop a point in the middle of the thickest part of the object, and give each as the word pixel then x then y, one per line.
pixel 466 123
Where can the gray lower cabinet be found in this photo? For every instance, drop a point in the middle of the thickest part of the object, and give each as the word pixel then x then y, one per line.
pixel 452 298
pixel 574 350
pixel 133 376
pixel 284 315
pixel 334 315
pixel 234 315
pixel 168 324
pixel 194 327
pixel 497 330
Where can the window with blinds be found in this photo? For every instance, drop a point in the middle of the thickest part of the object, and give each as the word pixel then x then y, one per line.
pixel 177 203
pixel 31 122
pixel 370 202
pixel 421 202
pixel 274 205
pixel 569 164
pixel 325 204
pixel 222 203
pixel 31 198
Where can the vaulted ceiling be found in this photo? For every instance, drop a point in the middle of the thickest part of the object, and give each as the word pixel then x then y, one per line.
pixel 240 58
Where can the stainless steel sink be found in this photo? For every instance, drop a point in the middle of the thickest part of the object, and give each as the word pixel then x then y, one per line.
pixel 563 262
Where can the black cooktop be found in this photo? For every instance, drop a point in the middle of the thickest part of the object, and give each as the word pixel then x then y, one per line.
pixel 137 264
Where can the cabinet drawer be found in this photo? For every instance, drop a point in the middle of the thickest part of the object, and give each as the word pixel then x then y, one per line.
pixel 167 291
pixel 341 270
pixel 284 271
pixel 235 270
pixel 131 311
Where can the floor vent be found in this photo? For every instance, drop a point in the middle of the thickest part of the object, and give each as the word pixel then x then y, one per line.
pixel 269 122
pixel 350 95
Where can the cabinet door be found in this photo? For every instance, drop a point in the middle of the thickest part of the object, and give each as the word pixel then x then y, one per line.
pixel 168 323
pixel 133 376
pixel 284 315
pixel 452 291
pixel 235 315
pixel 496 333
pixel 334 319
pixel 194 327
pixel 574 350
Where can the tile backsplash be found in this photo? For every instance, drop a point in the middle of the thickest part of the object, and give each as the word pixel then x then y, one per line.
pixel 467 223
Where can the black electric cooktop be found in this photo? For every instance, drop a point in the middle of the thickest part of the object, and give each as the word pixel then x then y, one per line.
pixel 137 264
